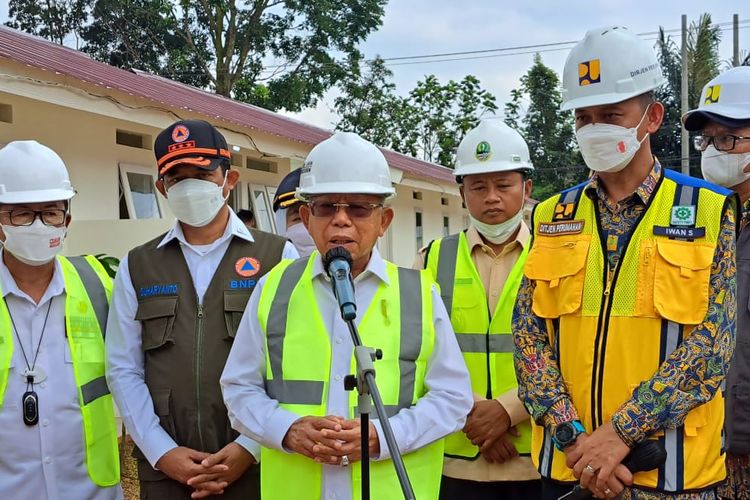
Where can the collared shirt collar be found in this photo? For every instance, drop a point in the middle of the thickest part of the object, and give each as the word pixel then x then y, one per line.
pixel 375 267
pixel 9 287
pixel 594 189
pixel 235 227
pixel 474 239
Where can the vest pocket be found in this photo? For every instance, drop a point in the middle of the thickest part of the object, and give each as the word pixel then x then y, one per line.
pixel 162 407
pixel 681 280
pixel 234 308
pixel 157 317
pixel 557 265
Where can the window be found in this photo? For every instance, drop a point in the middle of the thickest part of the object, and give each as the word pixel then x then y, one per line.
pixel 261 199
pixel 138 192
pixel 417 195
pixel 263 166
pixel 419 232
pixel 236 160
pixel 444 201
pixel 6 113
pixel 133 139
pixel 446 225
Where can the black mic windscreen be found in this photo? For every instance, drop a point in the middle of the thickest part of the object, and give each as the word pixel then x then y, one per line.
pixel 337 253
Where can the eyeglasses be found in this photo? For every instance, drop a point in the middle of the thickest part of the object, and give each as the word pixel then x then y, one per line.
pixel 720 142
pixel 26 217
pixel 353 210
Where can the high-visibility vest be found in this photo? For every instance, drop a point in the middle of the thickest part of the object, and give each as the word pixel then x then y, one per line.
pixel 398 321
pixel 88 290
pixel 486 342
pixel 611 329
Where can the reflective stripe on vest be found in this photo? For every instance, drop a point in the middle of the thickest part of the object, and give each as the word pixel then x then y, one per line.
pixel 398 321
pixel 84 316
pixel 486 342
pixel 611 338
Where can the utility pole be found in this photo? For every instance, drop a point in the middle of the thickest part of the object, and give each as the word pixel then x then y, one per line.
pixel 685 138
pixel 736 53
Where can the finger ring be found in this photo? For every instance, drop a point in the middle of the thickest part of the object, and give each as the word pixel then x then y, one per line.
pixel 589 469
pixel 607 492
pixel 344 461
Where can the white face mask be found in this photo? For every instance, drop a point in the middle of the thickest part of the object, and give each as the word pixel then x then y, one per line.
pixel 609 148
pixel 196 202
pixel 301 239
pixel 724 168
pixel 34 245
pixel 498 233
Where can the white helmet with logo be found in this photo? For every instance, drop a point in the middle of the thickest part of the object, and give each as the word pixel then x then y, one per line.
pixel 345 163
pixel 32 173
pixel 725 99
pixel 609 66
pixel 492 146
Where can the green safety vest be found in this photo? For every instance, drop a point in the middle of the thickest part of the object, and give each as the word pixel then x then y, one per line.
pixel 486 342
pixel 398 321
pixel 88 289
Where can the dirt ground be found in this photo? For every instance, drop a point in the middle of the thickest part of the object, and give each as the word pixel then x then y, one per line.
pixel 128 469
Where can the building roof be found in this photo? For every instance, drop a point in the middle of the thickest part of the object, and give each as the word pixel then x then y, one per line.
pixel 45 55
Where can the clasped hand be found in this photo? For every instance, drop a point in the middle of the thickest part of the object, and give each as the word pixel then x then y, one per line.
pixel 328 439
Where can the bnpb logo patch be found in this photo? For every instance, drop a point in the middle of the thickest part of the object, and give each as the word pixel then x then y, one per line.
pixel 247 266
pixel 180 133
pixel 712 94
pixel 589 72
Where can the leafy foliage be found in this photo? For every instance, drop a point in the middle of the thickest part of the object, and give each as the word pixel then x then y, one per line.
pixel 54 21
pixel 548 132
pixel 428 123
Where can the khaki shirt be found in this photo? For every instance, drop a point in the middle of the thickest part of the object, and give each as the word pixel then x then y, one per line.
pixel 493 270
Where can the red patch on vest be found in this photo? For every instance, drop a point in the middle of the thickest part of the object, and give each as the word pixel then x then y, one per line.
pixel 247 266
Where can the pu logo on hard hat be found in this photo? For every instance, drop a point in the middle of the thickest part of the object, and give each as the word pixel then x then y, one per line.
pixel 180 133
pixel 483 151
pixel 712 94
pixel 589 72
pixel 306 167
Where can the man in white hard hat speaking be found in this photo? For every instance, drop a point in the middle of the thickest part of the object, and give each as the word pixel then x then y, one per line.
pixel 283 382
pixel 722 121
pixel 479 271
pixel 624 324
pixel 57 422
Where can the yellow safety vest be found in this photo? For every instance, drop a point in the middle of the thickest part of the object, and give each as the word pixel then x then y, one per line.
pixel 486 343
pixel 398 321
pixel 612 328
pixel 88 289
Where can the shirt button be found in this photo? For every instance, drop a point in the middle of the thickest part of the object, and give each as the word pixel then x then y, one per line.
pixel 337 377
pixel 43 385
pixel 47 460
pixel 339 340
pixel 45 422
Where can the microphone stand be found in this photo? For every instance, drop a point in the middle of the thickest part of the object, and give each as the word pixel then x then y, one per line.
pixel 364 382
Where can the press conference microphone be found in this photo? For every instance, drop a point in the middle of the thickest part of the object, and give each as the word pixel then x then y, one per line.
pixel 338 265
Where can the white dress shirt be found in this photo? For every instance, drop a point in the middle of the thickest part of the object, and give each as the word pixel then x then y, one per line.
pixel 440 412
pixel 47 460
pixel 125 359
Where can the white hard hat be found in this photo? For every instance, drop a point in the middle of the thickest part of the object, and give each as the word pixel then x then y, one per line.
pixel 609 66
pixel 32 173
pixel 345 163
pixel 725 99
pixel 492 146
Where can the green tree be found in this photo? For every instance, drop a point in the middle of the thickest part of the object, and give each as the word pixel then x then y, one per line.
pixel 53 20
pixel 548 132
pixel 428 123
pixel 274 53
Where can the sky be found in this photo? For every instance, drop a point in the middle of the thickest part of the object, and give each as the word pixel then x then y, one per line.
pixel 417 27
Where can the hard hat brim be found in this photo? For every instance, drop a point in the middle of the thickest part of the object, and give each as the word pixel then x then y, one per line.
pixel 728 116
pixel 352 188
pixel 492 167
pixel 40 196
pixel 605 99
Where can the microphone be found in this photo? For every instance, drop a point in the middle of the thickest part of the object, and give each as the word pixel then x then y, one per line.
pixel 338 265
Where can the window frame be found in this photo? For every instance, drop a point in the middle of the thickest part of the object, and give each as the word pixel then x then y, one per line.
pixel 124 169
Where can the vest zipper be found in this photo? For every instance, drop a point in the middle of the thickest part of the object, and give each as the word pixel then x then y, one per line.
pixel 198 368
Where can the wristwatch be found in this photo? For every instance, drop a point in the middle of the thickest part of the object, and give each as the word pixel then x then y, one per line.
pixel 566 434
